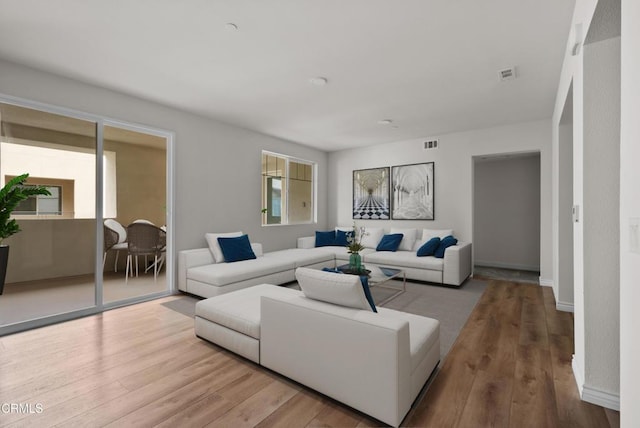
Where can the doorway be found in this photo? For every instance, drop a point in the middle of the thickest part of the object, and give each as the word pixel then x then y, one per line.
pixel 506 212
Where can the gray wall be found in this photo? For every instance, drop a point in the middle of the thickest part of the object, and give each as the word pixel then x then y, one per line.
pixel 506 211
pixel 217 166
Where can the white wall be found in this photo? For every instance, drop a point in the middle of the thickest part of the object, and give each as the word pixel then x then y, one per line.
pixel 629 209
pixel 453 177
pixel 601 199
pixel 218 166
pixel 563 267
pixel 596 374
pixel 506 230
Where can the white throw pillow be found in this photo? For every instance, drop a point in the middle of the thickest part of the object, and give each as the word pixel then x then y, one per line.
pixel 336 288
pixel 408 238
pixel 427 234
pixel 372 237
pixel 212 241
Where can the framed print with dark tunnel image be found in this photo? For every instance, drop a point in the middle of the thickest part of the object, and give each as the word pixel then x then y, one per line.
pixel 371 194
pixel 412 192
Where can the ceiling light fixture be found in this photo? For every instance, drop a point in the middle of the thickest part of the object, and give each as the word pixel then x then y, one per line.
pixel 385 122
pixel 318 81
pixel 231 26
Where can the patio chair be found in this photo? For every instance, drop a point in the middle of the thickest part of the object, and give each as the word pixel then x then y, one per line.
pixel 145 240
pixel 115 239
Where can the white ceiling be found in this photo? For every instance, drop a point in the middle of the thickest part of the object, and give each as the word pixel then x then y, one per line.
pixel 430 65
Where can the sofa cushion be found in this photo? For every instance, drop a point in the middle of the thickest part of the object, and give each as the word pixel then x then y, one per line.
pixel 240 310
pixel 390 242
pixel 372 236
pixel 427 234
pixel 343 290
pixel 342 237
pixel 303 256
pixel 404 259
pixel 324 239
pixel 423 333
pixel 220 274
pixel 408 238
pixel 214 246
pixel 236 249
pixel 445 243
pixel 429 248
pixel 341 253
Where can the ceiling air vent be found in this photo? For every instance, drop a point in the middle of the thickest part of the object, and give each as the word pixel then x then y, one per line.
pixel 431 144
pixel 507 74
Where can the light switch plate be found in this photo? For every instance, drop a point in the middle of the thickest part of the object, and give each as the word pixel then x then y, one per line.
pixel 634 235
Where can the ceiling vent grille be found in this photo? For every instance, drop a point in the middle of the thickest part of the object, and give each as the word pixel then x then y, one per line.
pixel 431 144
pixel 507 74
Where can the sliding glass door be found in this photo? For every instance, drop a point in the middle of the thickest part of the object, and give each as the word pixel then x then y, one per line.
pixel 51 267
pixel 135 200
pixel 70 257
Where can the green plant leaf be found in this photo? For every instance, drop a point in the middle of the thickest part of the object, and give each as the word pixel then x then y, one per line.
pixel 11 195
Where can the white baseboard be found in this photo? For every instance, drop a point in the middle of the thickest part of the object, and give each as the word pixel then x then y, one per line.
pixel 564 306
pixel 545 282
pixel 601 398
pixel 594 395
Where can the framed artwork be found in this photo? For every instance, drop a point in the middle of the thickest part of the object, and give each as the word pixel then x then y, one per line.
pixel 412 194
pixel 371 194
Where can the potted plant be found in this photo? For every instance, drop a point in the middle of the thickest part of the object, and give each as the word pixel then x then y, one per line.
pixel 11 195
pixel 355 246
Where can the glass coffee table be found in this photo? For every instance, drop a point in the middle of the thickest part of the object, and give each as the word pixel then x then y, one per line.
pixel 379 276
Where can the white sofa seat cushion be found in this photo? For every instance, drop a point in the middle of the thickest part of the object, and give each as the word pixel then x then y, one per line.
pixel 220 274
pixel 424 333
pixel 404 259
pixel 303 257
pixel 240 310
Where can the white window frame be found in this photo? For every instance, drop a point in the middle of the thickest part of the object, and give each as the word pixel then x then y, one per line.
pixel 314 185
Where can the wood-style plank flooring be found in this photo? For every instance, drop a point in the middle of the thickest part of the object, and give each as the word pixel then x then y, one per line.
pixel 142 366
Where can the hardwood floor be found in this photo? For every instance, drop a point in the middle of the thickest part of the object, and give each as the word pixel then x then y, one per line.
pixel 143 366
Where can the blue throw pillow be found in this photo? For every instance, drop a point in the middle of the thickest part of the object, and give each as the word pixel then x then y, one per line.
pixel 446 242
pixel 342 236
pixel 367 292
pixel 324 239
pixel 429 248
pixel 390 242
pixel 236 249
pixel 364 280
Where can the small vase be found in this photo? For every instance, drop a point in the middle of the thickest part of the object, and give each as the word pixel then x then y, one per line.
pixel 355 262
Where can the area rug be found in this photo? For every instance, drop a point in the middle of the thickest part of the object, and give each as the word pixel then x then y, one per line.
pixel 450 305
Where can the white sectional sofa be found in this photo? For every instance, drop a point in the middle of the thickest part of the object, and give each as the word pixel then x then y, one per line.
pixel 453 269
pixel 374 362
pixel 201 275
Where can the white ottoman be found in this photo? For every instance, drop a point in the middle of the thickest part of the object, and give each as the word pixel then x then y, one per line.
pixel 232 320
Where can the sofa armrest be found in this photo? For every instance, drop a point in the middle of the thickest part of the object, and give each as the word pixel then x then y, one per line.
pixel 457 264
pixel 191 258
pixel 307 242
pixel 357 357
